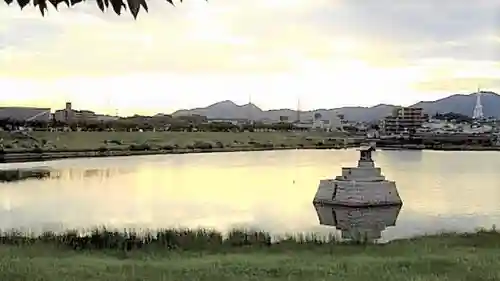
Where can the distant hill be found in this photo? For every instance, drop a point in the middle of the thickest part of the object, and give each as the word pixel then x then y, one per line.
pixel 463 104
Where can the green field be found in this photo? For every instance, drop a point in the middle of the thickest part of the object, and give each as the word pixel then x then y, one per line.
pixel 453 257
pixel 95 140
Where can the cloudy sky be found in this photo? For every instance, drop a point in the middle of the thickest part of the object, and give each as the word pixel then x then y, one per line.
pixel 328 53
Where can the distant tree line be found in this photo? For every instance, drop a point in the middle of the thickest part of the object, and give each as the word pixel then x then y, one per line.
pixel 148 123
pixel 449 116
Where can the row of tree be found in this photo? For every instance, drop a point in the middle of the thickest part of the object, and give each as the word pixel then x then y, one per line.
pixel 452 116
pixel 148 124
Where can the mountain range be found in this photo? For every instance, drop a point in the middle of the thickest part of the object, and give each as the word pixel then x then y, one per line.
pixel 459 103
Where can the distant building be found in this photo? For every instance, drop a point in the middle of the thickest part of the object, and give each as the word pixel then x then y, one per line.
pixel 319 122
pixel 106 118
pixel 404 119
pixel 68 115
pixel 284 118
pixel 25 114
pixel 235 121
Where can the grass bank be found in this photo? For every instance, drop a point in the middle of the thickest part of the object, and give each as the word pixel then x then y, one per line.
pixel 56 145
pixel 245 255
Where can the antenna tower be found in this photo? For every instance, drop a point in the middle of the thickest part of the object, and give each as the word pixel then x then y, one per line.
pixel 298 110
pixel 478 109
pixel 250 115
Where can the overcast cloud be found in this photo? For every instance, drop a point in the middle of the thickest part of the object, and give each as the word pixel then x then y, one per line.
pixel 427 40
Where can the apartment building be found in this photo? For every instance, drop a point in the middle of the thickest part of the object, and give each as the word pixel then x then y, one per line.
pixel 69 115
pixel 404 119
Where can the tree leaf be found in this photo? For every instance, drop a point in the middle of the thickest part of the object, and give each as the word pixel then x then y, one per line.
pixel 134 7
pixel 100 4
pixel 144 5
pixel 117 6
pixel 73 2
pixel 55 3
pixel 23 3
pixel 42 5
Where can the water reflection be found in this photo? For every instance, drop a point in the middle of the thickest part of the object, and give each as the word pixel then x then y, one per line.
pixel 268 190
pixel 82 173
pixel 358 224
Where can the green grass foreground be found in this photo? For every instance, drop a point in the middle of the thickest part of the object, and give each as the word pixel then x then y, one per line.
pixel 245 255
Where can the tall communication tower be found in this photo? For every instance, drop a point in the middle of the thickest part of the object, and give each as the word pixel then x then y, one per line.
pixel 478 109
pixel 250 115
pixel 298 110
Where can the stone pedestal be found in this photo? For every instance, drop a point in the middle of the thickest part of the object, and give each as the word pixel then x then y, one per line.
pixel 359 186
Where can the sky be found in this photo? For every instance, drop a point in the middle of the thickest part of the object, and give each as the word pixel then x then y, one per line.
pixel 327 53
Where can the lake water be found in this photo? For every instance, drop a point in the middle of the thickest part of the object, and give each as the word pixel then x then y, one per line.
pixel 270 190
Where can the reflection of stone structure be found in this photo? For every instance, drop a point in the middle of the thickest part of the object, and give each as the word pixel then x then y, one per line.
pixel 358 224
pixel 359 186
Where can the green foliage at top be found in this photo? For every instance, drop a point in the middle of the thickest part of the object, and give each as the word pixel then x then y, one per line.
pixel 117 5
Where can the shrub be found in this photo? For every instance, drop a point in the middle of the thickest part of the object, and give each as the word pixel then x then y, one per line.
pixel 102 149
pixel 202 145
pixel 263 145
pixel 168 147
pixel 139 147
pixel 117 142
pixel 37 150
pixel 219 144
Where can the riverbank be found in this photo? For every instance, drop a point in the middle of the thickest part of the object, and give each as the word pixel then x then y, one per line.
pixel 45 155
pixel 446 147
pixel 53 154
pixel 205 255
pixel 41 146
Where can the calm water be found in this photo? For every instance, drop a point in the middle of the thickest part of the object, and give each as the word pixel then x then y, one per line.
pixel 272 190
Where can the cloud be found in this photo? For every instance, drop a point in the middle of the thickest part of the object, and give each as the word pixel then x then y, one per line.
pixel 418 45
pixel 449 75
pixel 456 28
pixel 196 36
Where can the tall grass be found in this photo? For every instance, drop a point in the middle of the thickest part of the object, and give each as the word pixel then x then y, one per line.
pixel 212 240
pixel 167 239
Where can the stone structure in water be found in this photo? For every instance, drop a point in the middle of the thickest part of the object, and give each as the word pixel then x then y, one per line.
pixel 361 186
pixel 358 224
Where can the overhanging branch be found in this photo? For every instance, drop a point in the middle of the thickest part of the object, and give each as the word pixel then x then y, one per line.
pixel 117 5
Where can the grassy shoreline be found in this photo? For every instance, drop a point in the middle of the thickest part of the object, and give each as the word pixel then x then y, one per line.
pixel 247 255
pixel 42 146
pixel 44 155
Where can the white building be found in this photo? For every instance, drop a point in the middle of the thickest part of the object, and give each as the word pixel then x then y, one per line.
pixel 446 127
